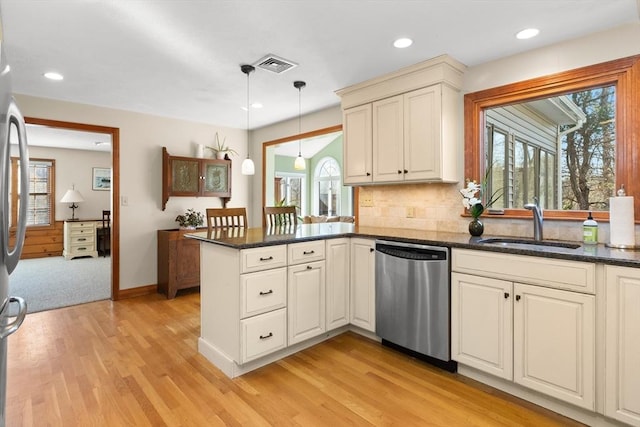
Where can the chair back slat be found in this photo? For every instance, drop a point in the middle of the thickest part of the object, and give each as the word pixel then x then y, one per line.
pixel 226 217
pixel 275 216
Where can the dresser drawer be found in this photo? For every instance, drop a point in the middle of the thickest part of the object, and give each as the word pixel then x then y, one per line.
pixel 81 239
pixel 306 252
pixel 263 291
pixel 257 259
pixel 263 334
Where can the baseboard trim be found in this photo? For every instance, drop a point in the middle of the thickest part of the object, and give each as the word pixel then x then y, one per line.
pixel 137 292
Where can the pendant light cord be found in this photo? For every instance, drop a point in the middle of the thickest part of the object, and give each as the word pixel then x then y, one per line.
pixel 299 85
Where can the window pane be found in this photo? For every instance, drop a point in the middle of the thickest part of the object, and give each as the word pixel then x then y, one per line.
pixel 498 168
pixel 518 175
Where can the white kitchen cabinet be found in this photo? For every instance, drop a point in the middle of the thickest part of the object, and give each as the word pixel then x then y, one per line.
pixel 337 282
pixel 306 301
pixel 407 137
pixel 622 342
pixel 362 297
pixel 482 323
pixel 413 118
pixel 356 125
pixel 554 343
pixel 532 333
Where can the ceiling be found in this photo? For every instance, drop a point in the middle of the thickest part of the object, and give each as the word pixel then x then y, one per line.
pixel 181 58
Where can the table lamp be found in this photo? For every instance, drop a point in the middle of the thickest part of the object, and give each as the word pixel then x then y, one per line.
pixel 72 196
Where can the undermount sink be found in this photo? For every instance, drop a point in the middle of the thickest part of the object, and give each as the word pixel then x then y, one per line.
pixel 510 242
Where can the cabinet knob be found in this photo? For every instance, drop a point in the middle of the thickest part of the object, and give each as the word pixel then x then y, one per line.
pixel 406 171
pixel 264 337
pixel 517 297
pixel 371 249
pixel 368 173
pixel 506 295
pixel 309 267
pixel 399 171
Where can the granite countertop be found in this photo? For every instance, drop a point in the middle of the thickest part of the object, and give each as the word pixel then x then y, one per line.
pixel 258 237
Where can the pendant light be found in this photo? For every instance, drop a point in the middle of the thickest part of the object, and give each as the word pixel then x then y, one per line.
pixel 299 163
pixel 248 168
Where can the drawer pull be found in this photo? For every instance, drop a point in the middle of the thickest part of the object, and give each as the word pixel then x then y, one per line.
pixel 308 252
pixel 82 249
pixel 82 239
pixel 269 258
pixel 270 291
pixel 264 337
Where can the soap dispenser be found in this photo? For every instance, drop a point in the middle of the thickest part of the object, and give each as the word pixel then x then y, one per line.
pixel 590 231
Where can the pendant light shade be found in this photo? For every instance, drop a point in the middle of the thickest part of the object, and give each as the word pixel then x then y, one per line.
pixel 299 164
pixel 248 168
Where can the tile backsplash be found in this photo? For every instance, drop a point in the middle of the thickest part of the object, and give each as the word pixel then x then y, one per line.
pixel 438 207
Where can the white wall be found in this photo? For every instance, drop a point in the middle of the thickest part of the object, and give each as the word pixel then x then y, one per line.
pixel 141 139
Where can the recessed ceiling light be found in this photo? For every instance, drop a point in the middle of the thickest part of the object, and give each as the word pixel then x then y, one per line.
pixel 402 43
pixel 527 33
pixel 51 75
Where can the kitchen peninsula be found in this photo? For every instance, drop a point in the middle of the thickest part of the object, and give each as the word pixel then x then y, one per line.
pixel 266 293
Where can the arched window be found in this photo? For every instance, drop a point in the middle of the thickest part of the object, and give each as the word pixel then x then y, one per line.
pixel 327 185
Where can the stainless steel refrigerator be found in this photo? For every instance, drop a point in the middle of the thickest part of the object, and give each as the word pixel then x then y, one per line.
pixel 11 126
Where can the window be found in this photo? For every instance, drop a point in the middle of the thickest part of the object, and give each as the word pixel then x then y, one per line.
pixel 41 203
pixel 289 190
pixel 327 184
pixel 581 169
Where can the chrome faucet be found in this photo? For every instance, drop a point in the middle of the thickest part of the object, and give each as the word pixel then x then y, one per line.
pixel 537 218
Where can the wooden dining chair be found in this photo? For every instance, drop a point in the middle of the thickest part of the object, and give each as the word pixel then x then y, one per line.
pixel 226 217
pixel 280 215
pixel 104 234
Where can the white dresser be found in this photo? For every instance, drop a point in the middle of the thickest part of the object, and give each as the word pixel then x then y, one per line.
pixel 79 239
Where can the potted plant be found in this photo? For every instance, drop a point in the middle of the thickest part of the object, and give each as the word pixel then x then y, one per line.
pixel 190 219
pixel 220 149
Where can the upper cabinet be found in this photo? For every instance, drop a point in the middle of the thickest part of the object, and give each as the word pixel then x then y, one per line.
pixel 404 126
pixel 194 177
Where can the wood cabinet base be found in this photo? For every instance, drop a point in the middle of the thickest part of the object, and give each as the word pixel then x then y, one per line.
pixel 178 262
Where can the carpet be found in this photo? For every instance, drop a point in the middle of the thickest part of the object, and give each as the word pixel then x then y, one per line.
pixel 53 282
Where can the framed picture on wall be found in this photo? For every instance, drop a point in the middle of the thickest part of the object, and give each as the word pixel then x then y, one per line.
pixel 101 179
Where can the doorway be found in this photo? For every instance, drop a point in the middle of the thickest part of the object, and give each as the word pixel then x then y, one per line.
pixel 114 134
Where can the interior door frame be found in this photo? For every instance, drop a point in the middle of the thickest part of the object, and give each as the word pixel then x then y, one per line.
pixel 115 188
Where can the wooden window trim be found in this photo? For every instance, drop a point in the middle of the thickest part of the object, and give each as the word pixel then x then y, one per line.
pixel 623 73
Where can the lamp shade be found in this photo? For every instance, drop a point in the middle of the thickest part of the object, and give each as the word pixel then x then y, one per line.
pixel 299 164
pixel 248 168
pixel 72 196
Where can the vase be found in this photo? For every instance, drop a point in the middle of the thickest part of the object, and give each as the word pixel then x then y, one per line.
pixel 476 228
pixel 220 155
pixel 187 227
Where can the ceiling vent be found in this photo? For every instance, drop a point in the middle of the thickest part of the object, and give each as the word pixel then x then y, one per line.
pixel 275 64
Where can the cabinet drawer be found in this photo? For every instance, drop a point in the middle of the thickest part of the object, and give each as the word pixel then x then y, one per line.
pixel 263 334
pixel 263 291
pixel 306 252
pixel 257 259
pixel 549 272
pixel 83 239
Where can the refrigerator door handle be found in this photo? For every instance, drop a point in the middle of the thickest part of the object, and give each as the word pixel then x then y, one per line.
pixel 13 256
pixel 11 327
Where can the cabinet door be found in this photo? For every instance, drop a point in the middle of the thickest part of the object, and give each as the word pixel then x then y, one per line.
pixel 388 160
pixel 306 302
pixel 422 134
pixel 187 263
pixel 216 178
pixel 337 283
pixel 185 176
pixel 363 285
pixel 481 323
pixel 357 145
pixel 622 343
pixel 554 343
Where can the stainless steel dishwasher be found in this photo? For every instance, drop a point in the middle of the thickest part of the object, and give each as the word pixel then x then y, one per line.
pixel 413 300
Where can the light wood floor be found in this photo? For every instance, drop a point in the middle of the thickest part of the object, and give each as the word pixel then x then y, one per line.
pixel 135 363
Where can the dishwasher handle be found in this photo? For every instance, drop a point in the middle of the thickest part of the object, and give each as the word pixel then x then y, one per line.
pixel 413 253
